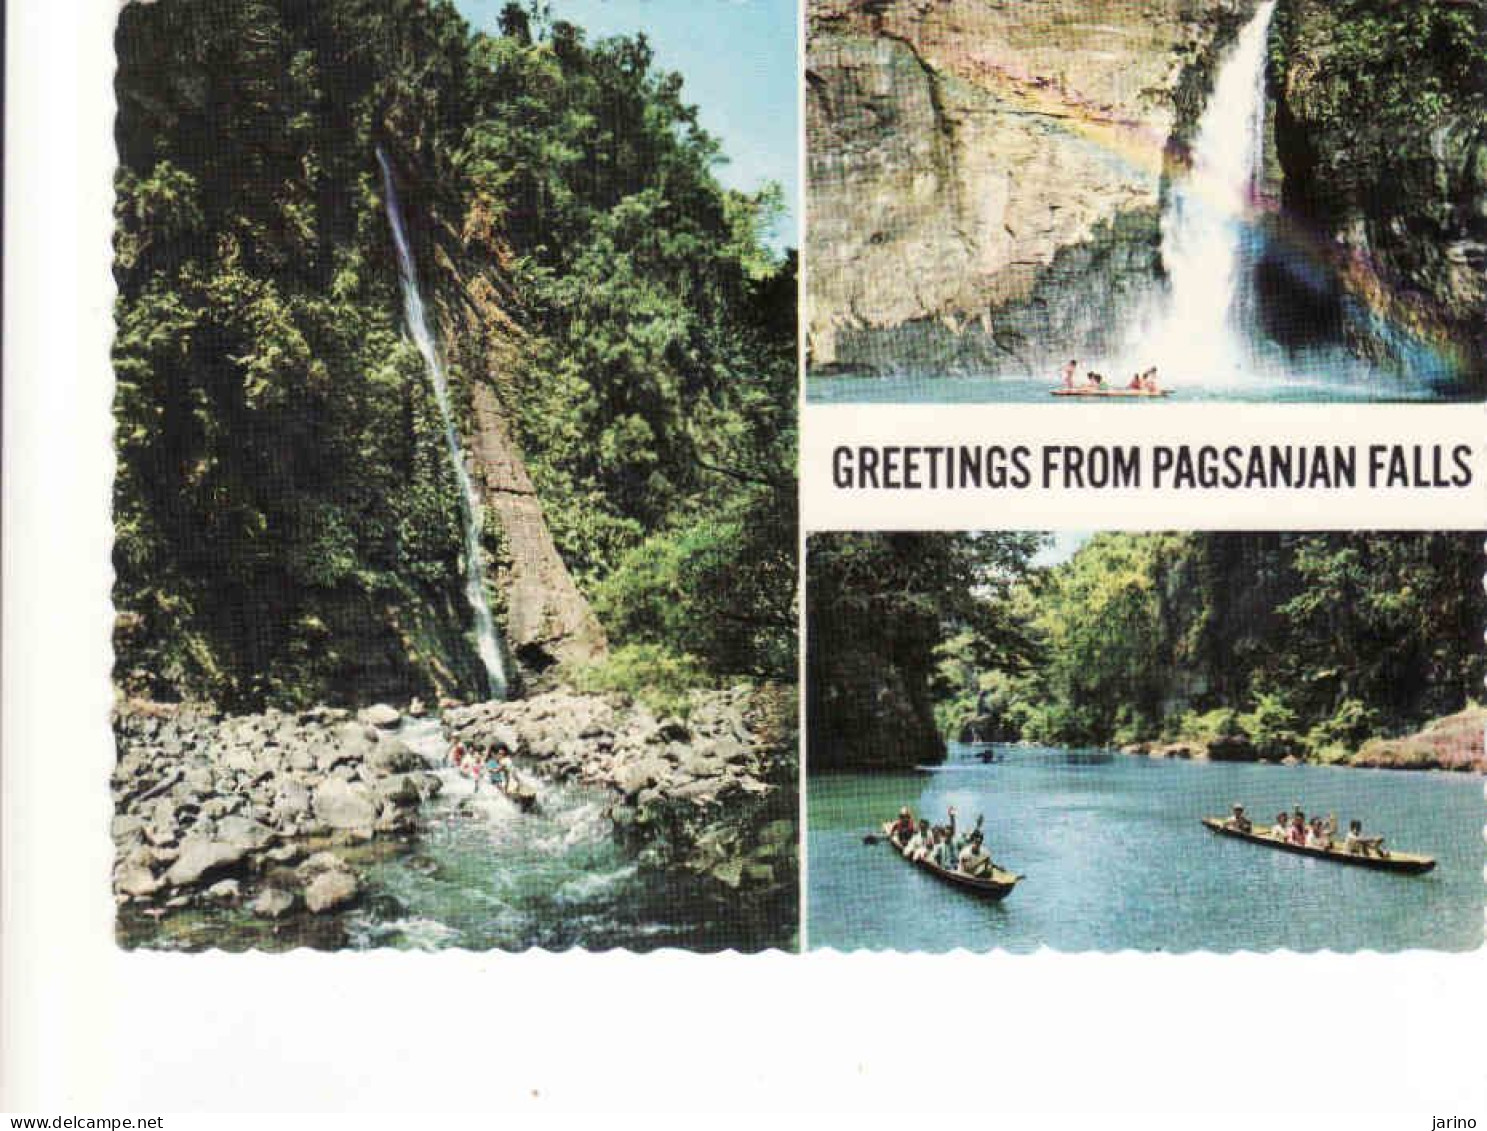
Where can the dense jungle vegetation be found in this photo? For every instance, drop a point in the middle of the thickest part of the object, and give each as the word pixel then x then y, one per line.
pixel 288 527
pixel 1300 644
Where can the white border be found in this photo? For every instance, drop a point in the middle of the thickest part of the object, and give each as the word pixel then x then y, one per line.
pixel 88 1029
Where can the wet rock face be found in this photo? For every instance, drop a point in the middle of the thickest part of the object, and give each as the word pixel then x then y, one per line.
pixel 207 808
pixel 985 177
pixel 1398 213
pixel 714 793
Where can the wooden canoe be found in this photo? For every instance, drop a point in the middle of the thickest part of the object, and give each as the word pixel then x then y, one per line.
pixel 998 885
pixel 1395 862
pixel 1087 391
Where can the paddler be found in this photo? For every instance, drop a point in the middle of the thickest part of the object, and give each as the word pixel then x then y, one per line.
pixel 974 860
pixel 1071 367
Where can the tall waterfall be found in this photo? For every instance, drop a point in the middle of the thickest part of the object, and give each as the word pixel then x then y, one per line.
pixel 1208 241
pixel 487 642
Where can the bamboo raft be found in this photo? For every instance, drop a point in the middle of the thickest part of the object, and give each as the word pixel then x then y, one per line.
pixel 1088 391
pixel 1403 862
pixel 997 886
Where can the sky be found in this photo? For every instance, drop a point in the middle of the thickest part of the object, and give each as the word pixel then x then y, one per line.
pixel 1063 547
pixel 738 62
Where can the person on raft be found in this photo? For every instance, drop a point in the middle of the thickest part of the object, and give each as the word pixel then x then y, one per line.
pixel 1238 820
pixel 1149 381
pixel 1094 380
pixel 1071 367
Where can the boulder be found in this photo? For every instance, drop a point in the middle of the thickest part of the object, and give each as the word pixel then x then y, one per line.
pixel 330 890
pixel 344 805
pixel 201 857
pixel 225 891
pixel 381 715
pixel 631 778
pixel 699 762
pixel 237 829
pixel 136 880
pixel 398 789
pixel 393 756
pixel 274 903
pixel 321 862
pixel 1232 748
pixel 347 743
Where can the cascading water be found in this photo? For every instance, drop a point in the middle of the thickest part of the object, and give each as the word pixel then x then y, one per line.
pixel 487 642
pixel 1208 240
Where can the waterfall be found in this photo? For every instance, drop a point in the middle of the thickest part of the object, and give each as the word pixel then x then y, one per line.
pixel 1208 242
pixel 487 642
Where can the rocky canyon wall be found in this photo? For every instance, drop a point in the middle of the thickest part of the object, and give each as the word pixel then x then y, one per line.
pixel 986 175
pixel 1381 131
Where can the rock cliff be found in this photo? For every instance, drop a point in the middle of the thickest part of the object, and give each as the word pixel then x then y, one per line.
pixel 1382 135
pixel 986 175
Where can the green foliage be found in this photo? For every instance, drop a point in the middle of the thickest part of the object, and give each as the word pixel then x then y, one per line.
pixel 1221 722
pixel 285 508
pixel 881 606
pixel 1272 726
pixel 1305 645
pixel 646 672
pixel 1349 727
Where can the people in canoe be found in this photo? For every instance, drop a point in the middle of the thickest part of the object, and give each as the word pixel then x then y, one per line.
pixel 1318 832
pixel 941 845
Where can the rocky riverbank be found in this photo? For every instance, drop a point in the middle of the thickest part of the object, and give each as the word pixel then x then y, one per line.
pixel 1455 742
pixel 268 811
pixel 262 830
pixel 714 793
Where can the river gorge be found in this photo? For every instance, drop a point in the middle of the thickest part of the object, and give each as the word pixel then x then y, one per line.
pixel 997 189
pixel 1114 857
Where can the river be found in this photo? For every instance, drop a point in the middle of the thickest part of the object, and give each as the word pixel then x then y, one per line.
pixel 481 875
pixel 1115 857
pixel 1354 384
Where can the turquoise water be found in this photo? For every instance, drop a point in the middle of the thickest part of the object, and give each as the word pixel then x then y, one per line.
pixel 1115 857
pixel 482 875
pixel 970 389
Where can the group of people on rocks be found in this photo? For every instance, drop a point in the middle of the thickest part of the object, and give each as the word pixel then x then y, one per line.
pixel 1319 832
pixel 1143 382
pixel 941 845
pixel 493 764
